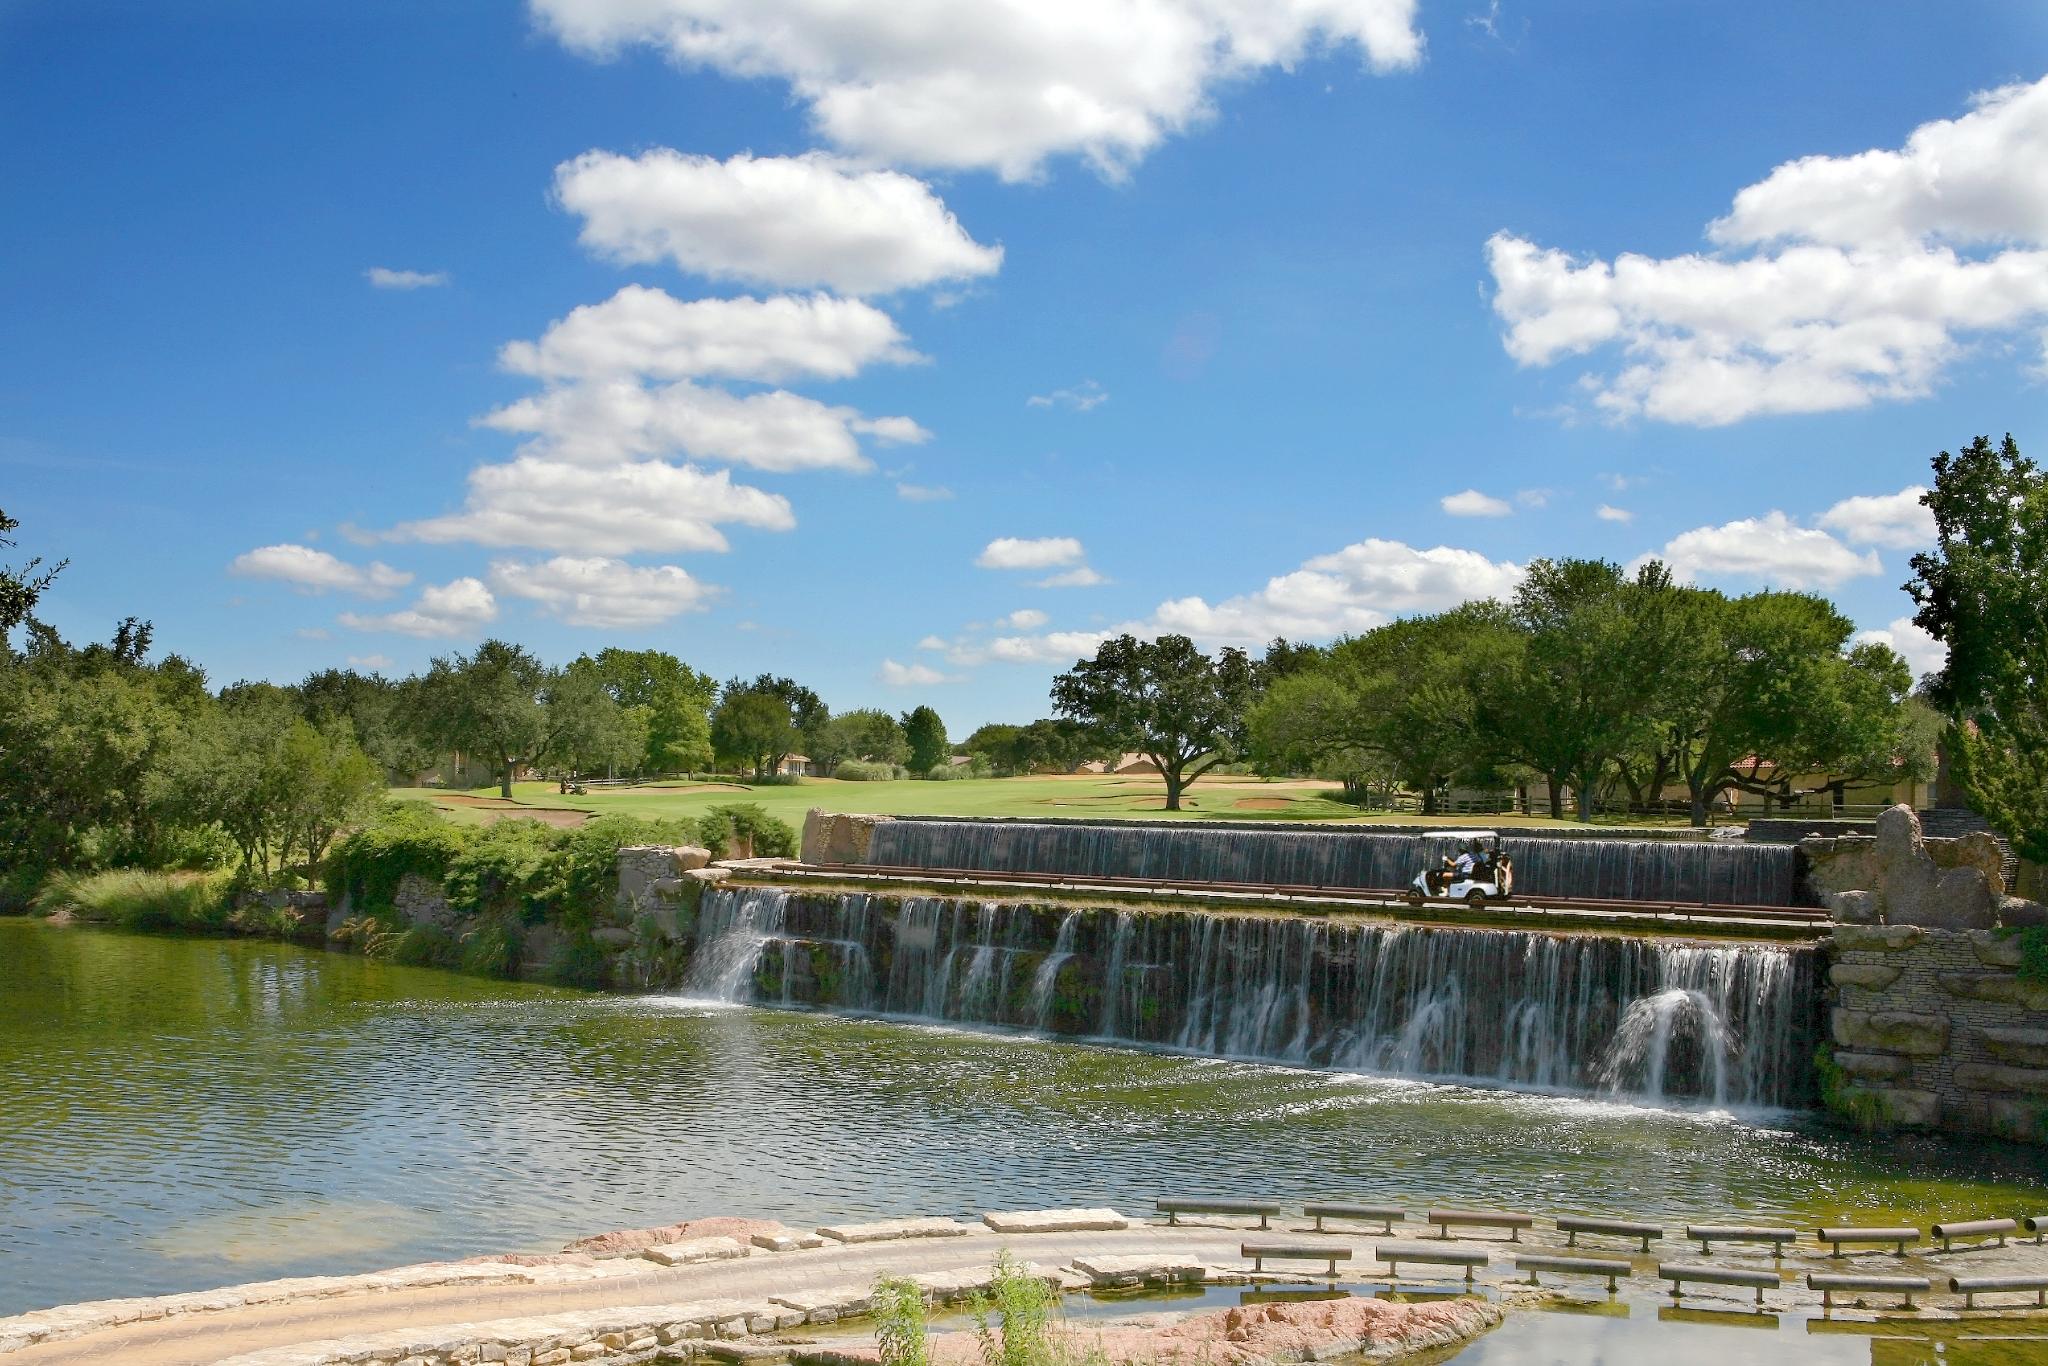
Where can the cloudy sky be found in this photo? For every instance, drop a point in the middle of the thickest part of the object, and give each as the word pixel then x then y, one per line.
pixel 908 349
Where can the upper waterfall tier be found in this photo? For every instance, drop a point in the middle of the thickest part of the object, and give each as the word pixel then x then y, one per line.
pixel 1678 870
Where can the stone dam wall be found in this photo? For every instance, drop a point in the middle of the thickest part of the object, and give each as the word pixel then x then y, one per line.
pixel 1936 1029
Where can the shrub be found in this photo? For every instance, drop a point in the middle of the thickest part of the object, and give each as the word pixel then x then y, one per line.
pixel 953 773
pixel 1014 1324
pixel 868 771
pixel 367 865
pixel 271 922
pixel 138 899
pixel 508 868
pixel 577 962
pixel 424 946
pixel 2033 951
pixel 493 946
pixel 587 858
pixel 900 1326
pixel 722 828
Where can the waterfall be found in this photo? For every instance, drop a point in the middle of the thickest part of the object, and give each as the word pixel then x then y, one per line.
pixel 1723 872
pixel 1642 1019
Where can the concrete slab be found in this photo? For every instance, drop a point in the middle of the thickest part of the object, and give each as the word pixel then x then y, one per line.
pixel 787 1242
pixel 1141 1269
pixel 1055 1220
pixel 888 1230
pixel 696 1250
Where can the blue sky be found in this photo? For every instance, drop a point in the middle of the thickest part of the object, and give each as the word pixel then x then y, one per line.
pixel 1237 318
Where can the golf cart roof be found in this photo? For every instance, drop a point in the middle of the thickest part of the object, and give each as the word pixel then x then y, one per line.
pixel 1460 835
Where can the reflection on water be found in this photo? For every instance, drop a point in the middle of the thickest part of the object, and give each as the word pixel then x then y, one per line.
pixel 176 1114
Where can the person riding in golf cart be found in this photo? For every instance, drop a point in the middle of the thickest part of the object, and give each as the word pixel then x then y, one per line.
pixel 1476 873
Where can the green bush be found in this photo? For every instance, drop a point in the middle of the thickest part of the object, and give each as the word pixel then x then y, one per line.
pixel 272 922
pixel 138 899
pixel 2033 951
pixel 425 946
pixel 493 946
pixel 721 828
pixel 366 866
pixel 509 868
pixel 867 771
pixel 953 773
pixel 900 1322
pixel 576 962
pixel 587 858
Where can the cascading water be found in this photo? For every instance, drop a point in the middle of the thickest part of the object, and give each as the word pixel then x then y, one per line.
pixel 1725 872
pixel 1634 1018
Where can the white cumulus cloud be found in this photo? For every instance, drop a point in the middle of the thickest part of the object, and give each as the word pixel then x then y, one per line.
pixel 1080 577
pixel 1080 398
pixel 923 493
pixel 1838 281
pixel 1044 552
pixel 449 609
pixel 619 509
pixel 1025 619
pixel 604 421
pixel 316 571
pixel 1473 503
pixel 381 277
pixel 1770 549
pixel 1922 652
pixel 647 332
pixel 1607 512
pixel 599 591
pixel 897 675
pixel 785 222
pixel 1897 521
pixel 1001 85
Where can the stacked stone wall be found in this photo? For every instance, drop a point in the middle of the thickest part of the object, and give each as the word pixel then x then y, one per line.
pixel 1937 1029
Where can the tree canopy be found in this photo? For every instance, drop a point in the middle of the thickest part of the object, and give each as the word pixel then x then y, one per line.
pixel 1164 699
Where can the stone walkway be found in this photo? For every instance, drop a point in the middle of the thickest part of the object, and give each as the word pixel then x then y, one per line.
pixel 340 1313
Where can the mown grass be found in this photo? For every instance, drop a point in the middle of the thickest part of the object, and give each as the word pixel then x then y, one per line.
pixel 137 899
pixel 1131 797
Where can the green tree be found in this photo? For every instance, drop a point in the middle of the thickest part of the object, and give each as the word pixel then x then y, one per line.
pixel 502 702
pixel 1165 699
pixel 864 733
pixel 20 586
pixel 676 700
pixel 1983 592
pixel 1586 689
pixel 753 729
pixel 1400 702
pixel 925 735
pixel 385 714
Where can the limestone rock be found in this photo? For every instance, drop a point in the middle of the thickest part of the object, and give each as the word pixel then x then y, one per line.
pixel 708 877
pixel 2002 987
pixel 2023 1121
pixel 1910 1109
pixel 696 1250
pixel 1996 950
pixel 1871 976
pixel 1979 1076
pixel 1891 1031
pixel 1054 1220
pixel 766 864
pixel 1978 850
pixel 1874 1066
pixel 1876 938
pixel 786 1241
pixel 2025 1047
pixel 1898 836
pixel 890 1229
pixel 1853 908
pixel 2018 913
pixel 831 837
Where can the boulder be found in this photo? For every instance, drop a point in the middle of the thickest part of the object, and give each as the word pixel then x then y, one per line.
pixel 1899 840
pixel 1853 908
pixel 708 877
pixel 1910 1109
pixel 1891 1031
pixel 1874 1066
pixel 2023 1047
pixel 2023 1121
pixel 2018 913
pixel 1979 850
pixel 692 1250
pixel 831 837
pixel 1870 976
pixel 2004 988
pixel 2002 1080
pixel 1995 950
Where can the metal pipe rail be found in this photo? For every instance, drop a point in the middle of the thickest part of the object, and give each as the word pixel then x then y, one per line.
pixel 1790 915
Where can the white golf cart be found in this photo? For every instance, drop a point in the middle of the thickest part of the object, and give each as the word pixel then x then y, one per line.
pixel 1489 875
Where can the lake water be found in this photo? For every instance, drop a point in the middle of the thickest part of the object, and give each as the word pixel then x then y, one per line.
pixel 176 1114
